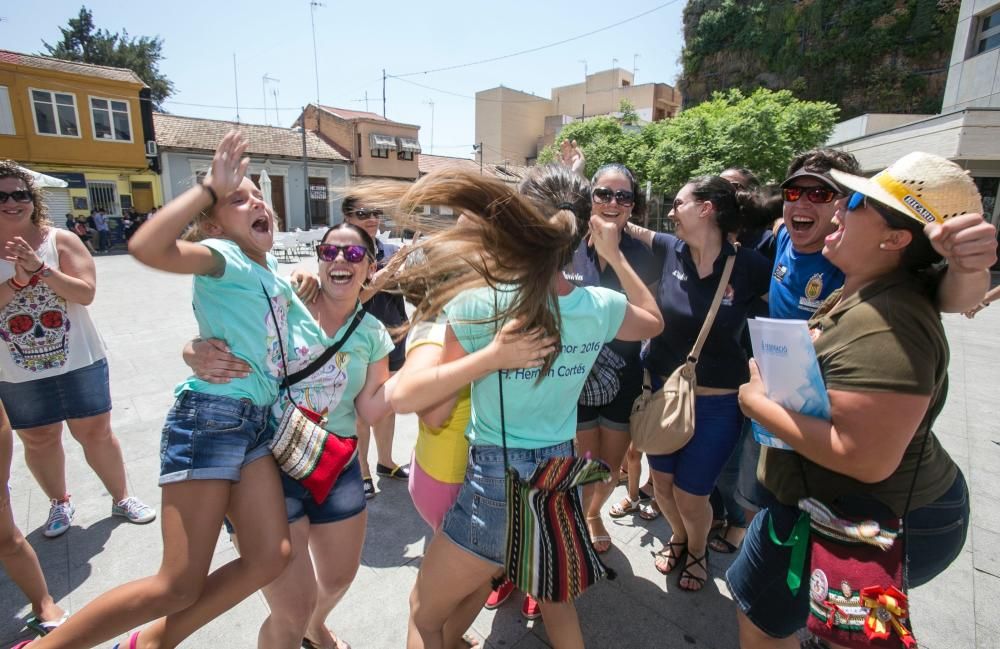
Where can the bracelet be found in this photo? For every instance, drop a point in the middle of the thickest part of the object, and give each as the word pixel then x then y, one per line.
pixel 14 284
pixel 211 192
pixel 37 270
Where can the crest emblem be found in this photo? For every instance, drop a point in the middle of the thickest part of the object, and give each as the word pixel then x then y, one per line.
pixel 814 288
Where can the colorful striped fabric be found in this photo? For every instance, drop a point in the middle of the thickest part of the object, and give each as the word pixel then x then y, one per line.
pixel 549 554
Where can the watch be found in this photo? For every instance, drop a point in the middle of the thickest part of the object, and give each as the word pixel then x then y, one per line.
pixel 45 271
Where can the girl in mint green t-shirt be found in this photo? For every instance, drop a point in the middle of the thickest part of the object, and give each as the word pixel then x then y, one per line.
pixel 215 460
pixel 517 244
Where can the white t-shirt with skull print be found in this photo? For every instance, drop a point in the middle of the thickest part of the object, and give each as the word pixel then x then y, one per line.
pixel 43 334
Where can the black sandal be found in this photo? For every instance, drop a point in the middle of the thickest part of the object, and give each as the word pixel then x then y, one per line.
pixel 675 555
pixel 694 560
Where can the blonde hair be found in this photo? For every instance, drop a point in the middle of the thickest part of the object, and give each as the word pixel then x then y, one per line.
pixel 520 238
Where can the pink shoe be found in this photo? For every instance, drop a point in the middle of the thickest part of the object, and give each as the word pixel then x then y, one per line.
pixel 530 609
pixel 499 595
pixel 133 640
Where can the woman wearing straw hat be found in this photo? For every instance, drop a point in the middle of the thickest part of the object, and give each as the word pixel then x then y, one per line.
pixel 884 357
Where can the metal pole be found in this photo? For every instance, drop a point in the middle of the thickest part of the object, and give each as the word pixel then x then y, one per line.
pixel 431 104
pixel 305 171
pixel 236 88
pixel 383 93
pixel 312 19
pixel 480 158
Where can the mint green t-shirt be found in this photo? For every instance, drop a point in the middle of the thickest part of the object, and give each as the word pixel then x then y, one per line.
pixel 233 307
pixel 331 389
pixel 543 414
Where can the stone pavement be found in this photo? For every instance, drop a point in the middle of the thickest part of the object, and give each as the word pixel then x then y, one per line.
pixel 145 317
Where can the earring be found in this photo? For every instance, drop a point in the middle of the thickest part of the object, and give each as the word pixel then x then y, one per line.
pixel 881 246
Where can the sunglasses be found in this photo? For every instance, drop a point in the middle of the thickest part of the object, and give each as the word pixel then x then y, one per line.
pixel 19 196
pixel 353 253
pixel 813 194
pixel 364 215
pixel 623 197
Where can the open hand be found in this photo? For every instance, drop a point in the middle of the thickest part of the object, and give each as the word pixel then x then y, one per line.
pixel 571 156
pixel 212 361
pixel 968 242
pixel 25 260
pixel 228 165
pixel 513 348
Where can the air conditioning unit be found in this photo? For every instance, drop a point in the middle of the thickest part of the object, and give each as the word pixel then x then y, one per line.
pixel 150 148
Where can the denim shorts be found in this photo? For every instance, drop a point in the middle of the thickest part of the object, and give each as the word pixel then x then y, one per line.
pixel 477 522
pixel 84 392
pixel 696 467
pixel 346 499
pixel 934 535
pixel 211 437
pixel 614 415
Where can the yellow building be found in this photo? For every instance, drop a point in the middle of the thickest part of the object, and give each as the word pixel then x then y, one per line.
pixel 90 125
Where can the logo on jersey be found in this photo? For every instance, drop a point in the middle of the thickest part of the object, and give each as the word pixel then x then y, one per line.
pixel 679 274
pixel 814 287
pixel 779 272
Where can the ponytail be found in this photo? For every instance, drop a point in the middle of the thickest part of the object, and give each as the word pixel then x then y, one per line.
pixel 735 210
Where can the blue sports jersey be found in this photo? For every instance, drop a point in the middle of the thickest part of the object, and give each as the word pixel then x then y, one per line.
pixel 800 282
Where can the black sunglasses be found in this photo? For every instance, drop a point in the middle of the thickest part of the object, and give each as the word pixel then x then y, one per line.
pixel 364 214
pixel 623 197
pixel 19 196
pixel 813 194
pixel 353 253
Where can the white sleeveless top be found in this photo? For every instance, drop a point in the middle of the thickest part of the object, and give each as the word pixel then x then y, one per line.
pixel 43 334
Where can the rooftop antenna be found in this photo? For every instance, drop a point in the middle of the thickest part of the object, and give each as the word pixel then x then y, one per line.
pixel 431 104
pixel 635 57
pixel 312 19
pixel 263 85
pixel 236 89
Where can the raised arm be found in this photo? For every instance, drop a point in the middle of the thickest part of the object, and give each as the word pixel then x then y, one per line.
pixel 969 245
pixel 642 316
pixel 157 242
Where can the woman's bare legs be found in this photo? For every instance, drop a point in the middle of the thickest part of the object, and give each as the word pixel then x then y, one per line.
pixel 336 554
pixel 291 596
pixel 609 446
pixel 256 503
pixel 191 514
pixel 447 577
pixel 16 554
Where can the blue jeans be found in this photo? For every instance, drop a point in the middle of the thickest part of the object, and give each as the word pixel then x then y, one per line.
pixel 934 535
pixel 211 437
pixel 477 522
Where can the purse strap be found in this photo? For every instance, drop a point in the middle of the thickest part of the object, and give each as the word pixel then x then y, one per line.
pixel 289 381
pixel 706 327
pixel 503 423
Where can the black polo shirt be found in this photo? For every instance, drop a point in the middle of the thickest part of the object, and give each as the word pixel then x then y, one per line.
pixel 389 308
pixel 586 271
pixel 684 300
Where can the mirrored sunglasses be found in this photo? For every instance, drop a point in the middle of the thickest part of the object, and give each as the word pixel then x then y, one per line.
pixel 19 196
pixel 353 253
pixel 812 194
pixel 623 197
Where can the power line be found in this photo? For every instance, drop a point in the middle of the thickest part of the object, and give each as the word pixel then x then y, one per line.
pixel 540 47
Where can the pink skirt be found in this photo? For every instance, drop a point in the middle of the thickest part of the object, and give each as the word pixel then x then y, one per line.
pixel 431 497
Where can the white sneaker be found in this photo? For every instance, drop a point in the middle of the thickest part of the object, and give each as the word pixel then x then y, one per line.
pixel 134 510
pixel 60 518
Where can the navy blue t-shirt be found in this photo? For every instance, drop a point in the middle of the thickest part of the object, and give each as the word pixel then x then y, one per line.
pixel 389 308
pixel 684 300
pixel 800 281
pixel 586 271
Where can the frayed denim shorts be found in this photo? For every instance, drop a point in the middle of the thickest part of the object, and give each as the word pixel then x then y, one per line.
pixel 477 522
pixel 84 392
pixel 211 437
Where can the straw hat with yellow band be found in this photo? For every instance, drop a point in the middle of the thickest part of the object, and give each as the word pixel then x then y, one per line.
pixel 923 186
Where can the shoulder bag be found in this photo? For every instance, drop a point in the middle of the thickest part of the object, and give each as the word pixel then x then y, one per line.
pixel 303 449
pixel 663 421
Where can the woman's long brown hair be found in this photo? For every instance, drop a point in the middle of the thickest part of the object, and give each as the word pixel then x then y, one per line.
pixel 519 238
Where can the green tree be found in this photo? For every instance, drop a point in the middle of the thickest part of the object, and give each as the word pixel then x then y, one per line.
pixel 82 42
pixel 629 116
pixel 762 131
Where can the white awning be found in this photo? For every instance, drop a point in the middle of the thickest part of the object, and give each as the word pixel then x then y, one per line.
pixel 409 144
pixel 378 141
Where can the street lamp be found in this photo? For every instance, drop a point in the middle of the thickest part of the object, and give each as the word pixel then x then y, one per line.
pixel 305 170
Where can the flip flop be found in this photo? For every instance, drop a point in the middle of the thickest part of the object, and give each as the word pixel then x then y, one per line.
pixel 41 627
pixel 132 641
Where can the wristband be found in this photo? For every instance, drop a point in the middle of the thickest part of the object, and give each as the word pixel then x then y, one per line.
pixel 14 284
pixel 211 192
pixel 37 270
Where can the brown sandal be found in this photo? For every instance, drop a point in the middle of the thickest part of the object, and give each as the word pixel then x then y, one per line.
pixel 694 560
pixel 674 556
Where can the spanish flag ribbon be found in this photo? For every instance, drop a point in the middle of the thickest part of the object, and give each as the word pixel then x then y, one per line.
pixel 887 610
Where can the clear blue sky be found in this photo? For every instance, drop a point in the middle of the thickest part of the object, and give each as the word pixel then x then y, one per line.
pixel 355 40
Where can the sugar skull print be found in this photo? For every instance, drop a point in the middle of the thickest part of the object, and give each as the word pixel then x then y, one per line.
pixel 35 326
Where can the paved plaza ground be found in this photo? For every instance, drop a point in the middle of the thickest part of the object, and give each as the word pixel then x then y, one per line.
pixel 145 317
